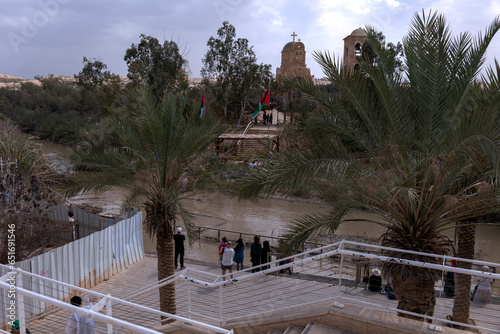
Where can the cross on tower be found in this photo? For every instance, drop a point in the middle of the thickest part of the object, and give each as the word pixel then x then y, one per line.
pixel 293 35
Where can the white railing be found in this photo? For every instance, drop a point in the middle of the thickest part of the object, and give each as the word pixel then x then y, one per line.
pixel 108 312
pixel 322 275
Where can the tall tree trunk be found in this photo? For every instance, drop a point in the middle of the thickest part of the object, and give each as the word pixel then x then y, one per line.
pixel 5 242
pixel 414 293
pixel 165 253
pixel 241 114
pixel 461 305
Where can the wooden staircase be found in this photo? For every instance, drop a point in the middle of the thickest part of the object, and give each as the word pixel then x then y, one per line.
pixel 249 148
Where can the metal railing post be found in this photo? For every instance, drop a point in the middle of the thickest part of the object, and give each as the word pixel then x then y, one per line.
pixel 189 299
pixel 442 277
pixel 220 305
pixel 20 304
pixel 109 313
pixel 340 272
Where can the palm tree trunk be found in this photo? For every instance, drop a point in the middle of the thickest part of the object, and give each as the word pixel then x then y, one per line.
pixel 165 254
pixel 461 305
pixel 414 294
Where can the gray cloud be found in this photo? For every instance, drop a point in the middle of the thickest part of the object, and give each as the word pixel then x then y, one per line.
pixel 52 36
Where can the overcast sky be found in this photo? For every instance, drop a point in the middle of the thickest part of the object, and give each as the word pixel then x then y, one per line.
pixel 43 37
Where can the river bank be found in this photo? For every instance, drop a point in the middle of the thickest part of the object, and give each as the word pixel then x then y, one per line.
pixel 267 217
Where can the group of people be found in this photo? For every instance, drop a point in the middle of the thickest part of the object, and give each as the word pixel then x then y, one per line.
pixel 259 253
pixel 230 253
pixel 253 164
pixel 267 118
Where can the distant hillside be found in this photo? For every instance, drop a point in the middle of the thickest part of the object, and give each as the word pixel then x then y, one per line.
pixel 7 80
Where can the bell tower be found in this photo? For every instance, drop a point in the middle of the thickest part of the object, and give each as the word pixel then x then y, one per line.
pixel 353 47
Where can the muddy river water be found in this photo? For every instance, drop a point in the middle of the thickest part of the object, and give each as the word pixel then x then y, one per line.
pixel 267 217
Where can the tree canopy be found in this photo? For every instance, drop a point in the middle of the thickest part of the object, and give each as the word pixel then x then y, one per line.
pixel 94 74
pixel 159 66
pixel 233 64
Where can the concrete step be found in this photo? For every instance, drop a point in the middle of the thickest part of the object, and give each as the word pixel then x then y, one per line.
pixel 318 328
pixel 275 331
pixel 292 329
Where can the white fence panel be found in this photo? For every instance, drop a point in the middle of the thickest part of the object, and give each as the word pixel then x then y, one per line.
pixel 85 262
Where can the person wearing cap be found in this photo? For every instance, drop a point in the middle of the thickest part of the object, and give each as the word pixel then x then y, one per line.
pixel 14 329
pixel 482 291
pixel 179 247
pixel 77 323
pixel 375 281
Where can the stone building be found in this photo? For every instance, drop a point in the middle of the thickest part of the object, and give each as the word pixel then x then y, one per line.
pixel 353 47
pixel 293 60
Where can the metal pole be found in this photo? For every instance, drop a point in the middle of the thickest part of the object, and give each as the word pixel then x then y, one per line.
pixel 220 305
pixel 442 277
pixel 340 274
pixel 109 313
pixel 189 299
pixel 20 304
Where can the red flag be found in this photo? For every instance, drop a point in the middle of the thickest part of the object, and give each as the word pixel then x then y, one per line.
pixel 265 99
pixel 263 102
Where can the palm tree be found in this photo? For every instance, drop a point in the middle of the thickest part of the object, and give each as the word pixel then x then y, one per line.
pixel 150 156
pixel 408 147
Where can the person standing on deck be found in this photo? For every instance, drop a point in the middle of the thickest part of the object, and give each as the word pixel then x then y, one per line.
pixel 239 254
pixel 179 247
pixel 227 259
pixel 255 253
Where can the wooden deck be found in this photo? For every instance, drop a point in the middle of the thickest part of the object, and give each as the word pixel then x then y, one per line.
pixel 242 299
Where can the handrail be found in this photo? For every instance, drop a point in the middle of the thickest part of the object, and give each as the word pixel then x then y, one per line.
pixel 245 131
pixel 420 253
pixel 244 275
pixel 112 301
pixel 155 285
pixel 75 309
pixel 310 243
pixel 434 318
pixel 342 248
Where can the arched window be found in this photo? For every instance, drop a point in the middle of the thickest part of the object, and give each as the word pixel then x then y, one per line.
pixel 356 68
pixel 357 50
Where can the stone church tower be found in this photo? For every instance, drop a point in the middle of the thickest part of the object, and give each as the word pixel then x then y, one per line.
pixel 353 47
pixel 293 60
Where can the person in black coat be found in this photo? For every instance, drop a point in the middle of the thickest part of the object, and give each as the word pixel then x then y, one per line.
pixel 375 281
pixel 179 247
pixel 255 253
pixel 264 256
